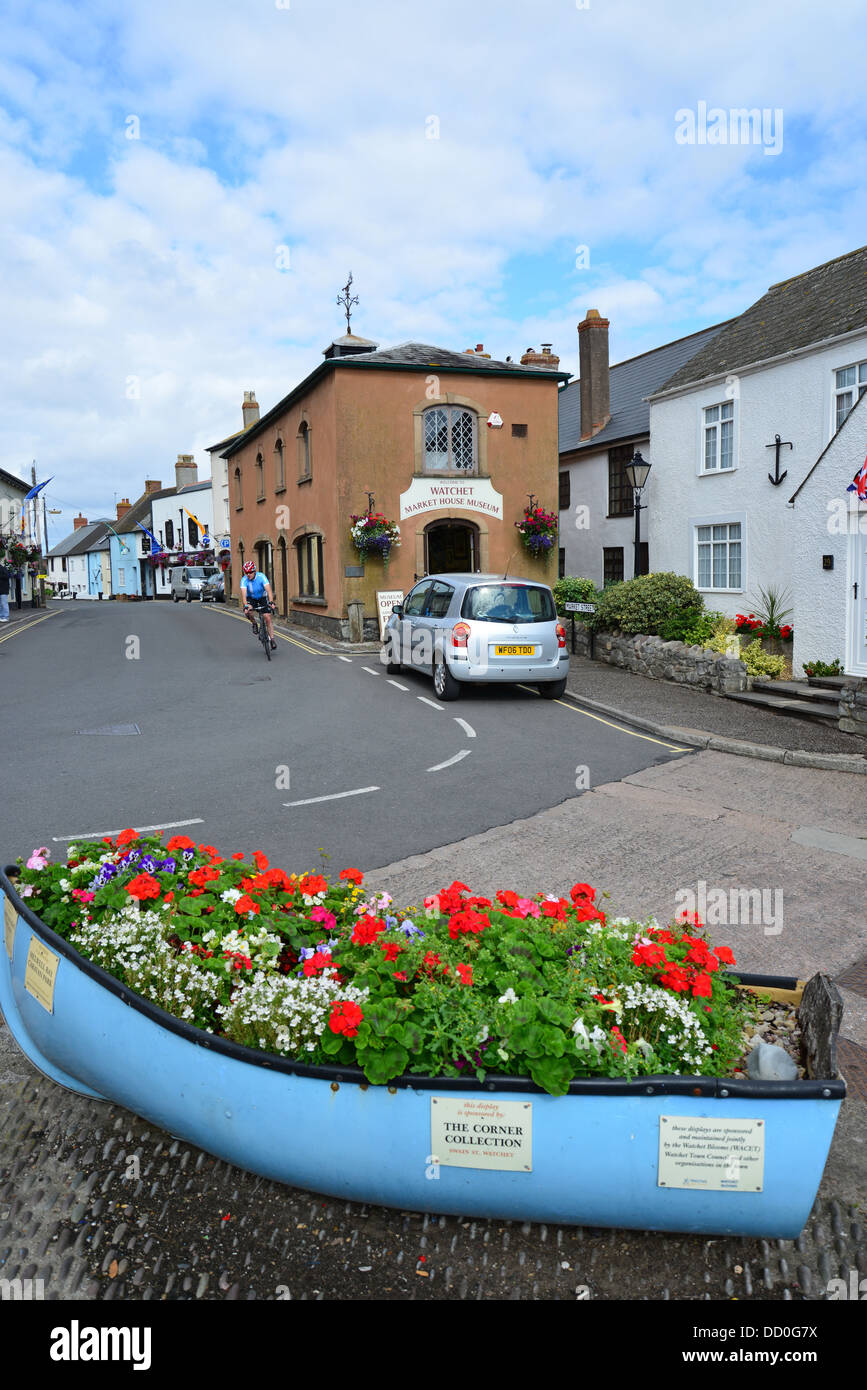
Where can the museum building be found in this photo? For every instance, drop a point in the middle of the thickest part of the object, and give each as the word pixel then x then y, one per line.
pixel 449 445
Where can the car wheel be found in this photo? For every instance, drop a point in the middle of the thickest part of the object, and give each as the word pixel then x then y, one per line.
pixel 445 685
pixel 552 690
pixel 175 598
pixel 189 597
pixel 393 668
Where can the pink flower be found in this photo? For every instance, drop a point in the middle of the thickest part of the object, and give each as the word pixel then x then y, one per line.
pixel 39 858
pixel 82 896
pixel 321 914
pixel 525 907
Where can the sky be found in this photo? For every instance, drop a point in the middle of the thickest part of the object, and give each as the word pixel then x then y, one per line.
pixel 185 188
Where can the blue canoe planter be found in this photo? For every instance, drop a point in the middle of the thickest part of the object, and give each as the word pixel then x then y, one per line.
pixel 668 1153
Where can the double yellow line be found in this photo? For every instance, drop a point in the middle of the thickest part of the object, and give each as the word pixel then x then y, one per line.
pixel 239 618
pixel 25 626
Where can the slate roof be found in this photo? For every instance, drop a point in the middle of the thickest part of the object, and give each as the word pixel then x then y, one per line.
pixel 140 509
pixel 76 541
pixel 860 404
pixel 630 382
pixel 819 304
pixel 412 357
pixel 12 480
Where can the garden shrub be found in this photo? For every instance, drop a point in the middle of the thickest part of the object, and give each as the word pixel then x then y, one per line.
pixel 571 589
pixel 645 603
pixel 762 663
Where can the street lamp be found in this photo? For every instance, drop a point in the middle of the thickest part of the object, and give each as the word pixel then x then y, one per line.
pixel 636 476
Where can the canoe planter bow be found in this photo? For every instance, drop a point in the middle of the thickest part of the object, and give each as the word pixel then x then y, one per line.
pixel 668 1153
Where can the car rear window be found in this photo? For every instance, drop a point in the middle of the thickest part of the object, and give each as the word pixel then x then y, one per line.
pixel 509 603
pixel 202 571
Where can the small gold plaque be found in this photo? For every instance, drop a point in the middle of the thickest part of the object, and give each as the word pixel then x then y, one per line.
pixel 40 973
pixel 10 920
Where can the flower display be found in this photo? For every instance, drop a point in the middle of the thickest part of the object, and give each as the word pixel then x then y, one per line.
pixel 538 531
pixel 546 986
pixel 373 534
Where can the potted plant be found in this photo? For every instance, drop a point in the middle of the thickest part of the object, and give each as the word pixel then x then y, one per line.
pixel 373 534
pixel 538 531
pixel 526 1058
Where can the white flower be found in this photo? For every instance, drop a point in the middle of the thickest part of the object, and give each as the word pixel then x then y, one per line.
pixel 231 895
pixel 504 1056
pixel 510 997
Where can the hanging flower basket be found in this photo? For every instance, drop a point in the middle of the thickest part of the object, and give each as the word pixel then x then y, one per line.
pixel 373 534
pixel 538 531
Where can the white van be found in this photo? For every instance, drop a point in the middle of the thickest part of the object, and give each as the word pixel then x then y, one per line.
pixel 187 583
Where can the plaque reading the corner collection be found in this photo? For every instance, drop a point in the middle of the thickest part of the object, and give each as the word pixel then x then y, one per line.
pixel 469 1132
pixel 714 1155
pixel 40 973
pixel 10 919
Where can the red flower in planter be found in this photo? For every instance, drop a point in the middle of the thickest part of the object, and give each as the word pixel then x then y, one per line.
pixel 724 954
pixel 581 892
pixel 701 987
pixel 260 860
pixel 126 837
pixel 244 905
pixel 352 875
pixel 390 949
pixel 470 922
pixel 345 1018
pixel 466 974
pixel 180 842
pixel 144 886
pixel 366 930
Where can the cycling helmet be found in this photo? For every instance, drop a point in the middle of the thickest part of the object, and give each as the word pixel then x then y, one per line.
pixel 249 567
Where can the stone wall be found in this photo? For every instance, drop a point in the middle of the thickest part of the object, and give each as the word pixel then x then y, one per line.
pixel 853 708
pixel 665 661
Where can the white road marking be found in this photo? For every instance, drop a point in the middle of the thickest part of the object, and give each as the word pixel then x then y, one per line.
pixel 345 658
pixel 141 829
pixel 370 671
pixel 433 704
pixel 335 796
pixel 464 753
pixel 467 728
pixel 397 685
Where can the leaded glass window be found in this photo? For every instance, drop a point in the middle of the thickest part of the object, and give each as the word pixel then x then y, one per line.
pixel 449 440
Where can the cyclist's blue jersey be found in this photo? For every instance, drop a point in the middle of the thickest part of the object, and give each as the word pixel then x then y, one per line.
pixel 255 585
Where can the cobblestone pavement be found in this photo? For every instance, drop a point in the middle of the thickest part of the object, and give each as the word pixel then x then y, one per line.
pixel 100 1205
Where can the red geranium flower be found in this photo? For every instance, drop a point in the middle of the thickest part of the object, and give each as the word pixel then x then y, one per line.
pixel 366 930
pixel 507 898
pixel 470 922
pixel 180 842
pixel 238 855
pixel 318 961
pixel 556 910
pixel 578 891
pixel 390 949
pixel 466 974
pixel 701 987
pixel 313 884
pixel 244 905
pixel 724 954
pixel 353 875
pixel 144 886
pixel 207 874
pixel 652 955
pixel 260 860
pixel 345 1018
pixel 126 837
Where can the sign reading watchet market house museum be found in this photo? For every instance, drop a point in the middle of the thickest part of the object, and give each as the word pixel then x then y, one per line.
pixel 469 1132
pixel 428 495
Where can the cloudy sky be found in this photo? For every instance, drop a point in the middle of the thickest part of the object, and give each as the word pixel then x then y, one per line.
pixel 186 185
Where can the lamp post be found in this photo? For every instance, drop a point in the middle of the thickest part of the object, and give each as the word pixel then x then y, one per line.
pixel 636 476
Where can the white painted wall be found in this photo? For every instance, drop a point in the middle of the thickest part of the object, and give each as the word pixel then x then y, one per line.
pixel 584 546
pixel 76 575
pixel 165 509
pixel 794 399
pixel 828 520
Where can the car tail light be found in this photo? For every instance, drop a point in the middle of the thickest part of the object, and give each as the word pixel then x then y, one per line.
pixel 460 634
pixel 561 635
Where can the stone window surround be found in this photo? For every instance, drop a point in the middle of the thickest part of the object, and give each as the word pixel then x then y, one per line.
pixel 304 449
pixel 299 534
pixel 279 466
pixel 481 414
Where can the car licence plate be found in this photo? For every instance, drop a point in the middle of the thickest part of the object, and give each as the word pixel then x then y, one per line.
pixel 514 651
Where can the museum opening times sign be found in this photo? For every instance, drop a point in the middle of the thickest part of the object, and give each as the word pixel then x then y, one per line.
pixel 463 494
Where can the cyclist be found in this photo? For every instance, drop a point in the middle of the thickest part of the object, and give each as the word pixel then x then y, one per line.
pixel 256 597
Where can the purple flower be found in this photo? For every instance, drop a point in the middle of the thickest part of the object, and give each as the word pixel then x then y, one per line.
pixel 410 930
pixel 167 866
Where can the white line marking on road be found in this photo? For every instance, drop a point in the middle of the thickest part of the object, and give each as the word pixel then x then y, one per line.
pixel 344 658
pixel 370 671
pixel 467 728
pixel 397 685
pixel 433 704
pixel 142 829
pixel 335 796
pixel 464 753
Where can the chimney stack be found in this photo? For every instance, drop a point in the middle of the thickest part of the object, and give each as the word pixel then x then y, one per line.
pixel 78 522
pixel 250 409
pixel 186 470
pixel 546 358
pixel 123 507
pixel 593 369
pixel 152 485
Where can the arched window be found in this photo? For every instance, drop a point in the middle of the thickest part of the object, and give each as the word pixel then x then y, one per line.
pixel 260 478
pixel 170 535
pixel 450 440
pixel 305 463
pixel 311 566
pixel 238 502
pixel 279 467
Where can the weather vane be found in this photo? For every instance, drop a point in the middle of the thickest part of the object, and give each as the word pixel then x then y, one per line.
pixel 347 300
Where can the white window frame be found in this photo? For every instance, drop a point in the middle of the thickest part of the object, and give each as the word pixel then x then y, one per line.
pixel 859 384
pixel 697 523
pixel 715 425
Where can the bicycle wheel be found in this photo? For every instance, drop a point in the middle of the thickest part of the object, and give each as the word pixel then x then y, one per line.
pixel 264 638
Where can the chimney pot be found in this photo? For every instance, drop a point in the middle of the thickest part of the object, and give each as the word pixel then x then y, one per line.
pixel 152 485
pixel 186 470
pixel 78 522
pixel 480 347
pixel 594 385
pixel 250 409
pixel 123 507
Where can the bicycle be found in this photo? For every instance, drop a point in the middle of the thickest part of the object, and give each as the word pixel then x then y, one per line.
pixel 261 629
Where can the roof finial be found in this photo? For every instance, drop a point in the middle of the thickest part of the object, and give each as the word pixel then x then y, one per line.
pixel 347 300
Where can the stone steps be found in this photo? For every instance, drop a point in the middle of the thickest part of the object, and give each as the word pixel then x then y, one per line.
pixel 798 690
pixel 787 704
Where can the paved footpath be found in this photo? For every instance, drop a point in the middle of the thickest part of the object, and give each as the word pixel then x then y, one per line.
pixel 101 1205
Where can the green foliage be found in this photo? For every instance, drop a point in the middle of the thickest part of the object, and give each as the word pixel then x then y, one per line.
pixel 770 609
pixel 644 604
pixel 571 589
pixel 824 668
pixel 761 663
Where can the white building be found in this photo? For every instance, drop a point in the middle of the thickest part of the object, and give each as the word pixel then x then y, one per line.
pixel 789 369
pixel 181 518
pixel 829 553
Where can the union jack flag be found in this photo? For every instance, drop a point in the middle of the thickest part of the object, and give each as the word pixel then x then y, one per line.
pixel 859 483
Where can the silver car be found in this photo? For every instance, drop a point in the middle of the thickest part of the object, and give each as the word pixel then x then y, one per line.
pixel 186 583
pixel 475 628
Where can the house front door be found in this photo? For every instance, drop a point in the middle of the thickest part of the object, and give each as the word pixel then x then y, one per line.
pixel 857 663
